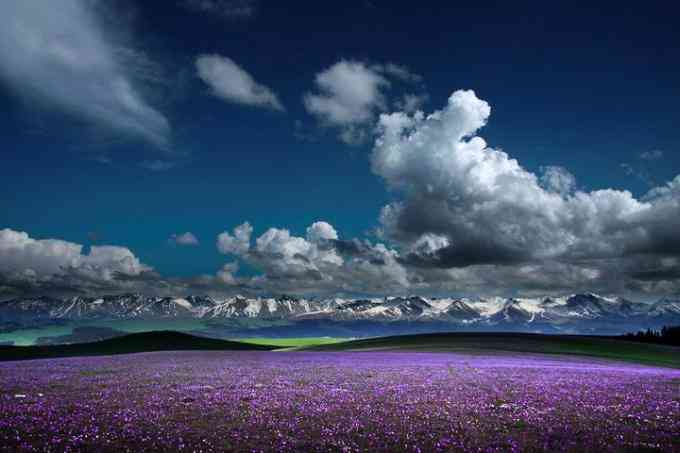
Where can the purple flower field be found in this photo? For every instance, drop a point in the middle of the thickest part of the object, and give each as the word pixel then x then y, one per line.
pixel 297 401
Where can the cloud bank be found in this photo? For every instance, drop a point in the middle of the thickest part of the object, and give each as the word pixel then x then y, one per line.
pixel 467 219
pixel 61 57
pixel 54 265
pixel 470 218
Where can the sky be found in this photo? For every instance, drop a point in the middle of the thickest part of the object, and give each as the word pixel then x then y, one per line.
pixel 349 148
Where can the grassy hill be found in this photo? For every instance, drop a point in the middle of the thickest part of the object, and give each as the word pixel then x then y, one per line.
pixel 290 342
pixel 593 346
pixel 136 342
pixel 604 347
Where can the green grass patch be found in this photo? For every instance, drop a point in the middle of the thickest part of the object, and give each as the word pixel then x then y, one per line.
pixel 291 342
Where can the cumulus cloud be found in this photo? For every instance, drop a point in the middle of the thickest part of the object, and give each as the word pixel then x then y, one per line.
pixel 321 231
pixel 237 243
pixel 44 262
pixel 232 83
pixel 320 262
pixel 226 274
pixel 187 238
pixel 349 94
pixel 469 219
pixel 558 179
pixel 491 209
pixel 228 9
pixel 62 58
pixel 411 103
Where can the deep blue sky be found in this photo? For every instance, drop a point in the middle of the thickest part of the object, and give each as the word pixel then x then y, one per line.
pixel 581 86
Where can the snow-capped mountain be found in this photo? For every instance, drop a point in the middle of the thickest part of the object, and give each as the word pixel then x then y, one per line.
pixel 584 313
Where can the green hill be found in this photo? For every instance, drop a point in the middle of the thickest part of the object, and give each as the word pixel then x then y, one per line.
pixel 136 342
pixel 604 347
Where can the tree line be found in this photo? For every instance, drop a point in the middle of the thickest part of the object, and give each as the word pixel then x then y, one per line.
pixel 666 335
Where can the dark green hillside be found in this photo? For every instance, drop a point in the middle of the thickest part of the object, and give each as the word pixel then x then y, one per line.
pixel 604 347
pixel 136 342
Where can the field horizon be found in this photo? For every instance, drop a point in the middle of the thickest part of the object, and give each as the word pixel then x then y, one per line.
pixel 603 347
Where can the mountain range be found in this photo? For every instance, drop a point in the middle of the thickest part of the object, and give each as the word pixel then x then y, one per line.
pixel 289 316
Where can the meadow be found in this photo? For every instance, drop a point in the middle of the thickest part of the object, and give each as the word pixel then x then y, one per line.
pixel 291 342
pixel 338 401
pixel 30 337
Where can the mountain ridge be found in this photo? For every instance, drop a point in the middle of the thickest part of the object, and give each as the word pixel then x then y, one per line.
pixel 574 313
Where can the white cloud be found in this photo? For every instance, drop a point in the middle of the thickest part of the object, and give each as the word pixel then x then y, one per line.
pixel 316 263
pixel 321 231
pixel 410 103
pixel 187 238
pixel 232 83
pixel 349 92
pixel 558 179
pixel 348 95
pixel 654 154
pixel 40 261
pixel 238 243
pixel 226 274
pixel 228 9
pixel 398 71
pixel 494 211
pixel 470 219
pixel 61 57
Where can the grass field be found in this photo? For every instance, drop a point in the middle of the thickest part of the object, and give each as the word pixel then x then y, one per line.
pixel 292 342
pixel 603 347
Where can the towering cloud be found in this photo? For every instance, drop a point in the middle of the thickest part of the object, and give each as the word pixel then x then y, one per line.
pixel 61 57
pixel 232 83
pixel 492 210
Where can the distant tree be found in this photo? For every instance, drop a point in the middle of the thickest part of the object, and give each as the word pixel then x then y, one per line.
pixel 667 335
